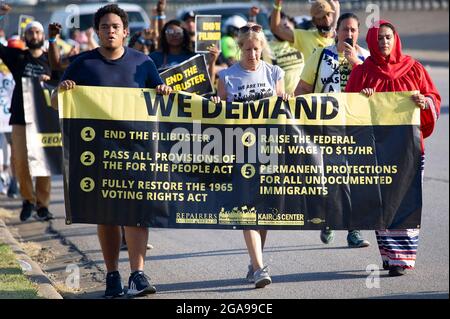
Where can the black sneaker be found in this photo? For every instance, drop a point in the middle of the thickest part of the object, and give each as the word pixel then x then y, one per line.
pixel 385 265
pixel 27 210
pixel 43 214
pixel 13 190
pixel 395 271
pixel 327 236
pixel 139 284
pixel 114 287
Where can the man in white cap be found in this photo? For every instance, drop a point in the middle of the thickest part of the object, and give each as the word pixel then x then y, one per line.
pixel 32 62
pixel 324 15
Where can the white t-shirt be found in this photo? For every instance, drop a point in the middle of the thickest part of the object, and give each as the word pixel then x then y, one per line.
pixel 242 85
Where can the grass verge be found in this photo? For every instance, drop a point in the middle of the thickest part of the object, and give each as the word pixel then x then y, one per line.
pixel 13 283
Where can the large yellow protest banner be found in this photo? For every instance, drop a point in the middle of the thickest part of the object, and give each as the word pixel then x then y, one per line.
pixel 342 161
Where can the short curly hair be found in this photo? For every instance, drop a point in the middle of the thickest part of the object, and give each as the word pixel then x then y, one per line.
pixel 110 8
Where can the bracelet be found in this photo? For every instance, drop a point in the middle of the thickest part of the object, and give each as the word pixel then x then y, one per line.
pixel 277 7
pixel 51 40
pixel 159 17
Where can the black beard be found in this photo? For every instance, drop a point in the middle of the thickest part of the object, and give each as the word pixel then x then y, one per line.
pixel 34 45
pixel 324 29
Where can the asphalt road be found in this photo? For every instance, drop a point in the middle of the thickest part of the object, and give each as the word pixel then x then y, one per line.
pixel 192 264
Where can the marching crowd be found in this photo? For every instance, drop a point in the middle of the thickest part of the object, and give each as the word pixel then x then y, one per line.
pixel 326 58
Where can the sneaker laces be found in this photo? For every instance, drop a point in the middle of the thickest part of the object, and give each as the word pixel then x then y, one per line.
pixel 264 270
pixel 141 277
pixel 146 277
pixel 356 234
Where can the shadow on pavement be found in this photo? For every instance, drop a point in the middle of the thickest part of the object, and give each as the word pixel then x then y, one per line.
pixel 418 295
pixel 222 284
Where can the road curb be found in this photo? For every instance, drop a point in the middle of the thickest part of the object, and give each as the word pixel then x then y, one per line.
pixel 30 268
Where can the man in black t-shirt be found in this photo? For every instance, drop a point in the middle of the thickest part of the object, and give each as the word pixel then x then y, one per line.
pixel 32 62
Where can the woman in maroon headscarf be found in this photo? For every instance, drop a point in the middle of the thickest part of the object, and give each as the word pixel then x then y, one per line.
pixel 388 70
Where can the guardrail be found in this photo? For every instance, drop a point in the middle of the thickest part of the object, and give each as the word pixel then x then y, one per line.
pixel 397 4
pixel 347 4
pixel 353 5
pixel 43 9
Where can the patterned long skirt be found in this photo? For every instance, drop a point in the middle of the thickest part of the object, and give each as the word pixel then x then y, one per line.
pixel 398 247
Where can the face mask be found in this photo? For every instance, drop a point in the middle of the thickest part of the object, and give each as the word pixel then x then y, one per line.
pixel 324 29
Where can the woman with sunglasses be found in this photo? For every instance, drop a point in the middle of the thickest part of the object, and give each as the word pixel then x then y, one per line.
pixel 175 46
pixel 252 79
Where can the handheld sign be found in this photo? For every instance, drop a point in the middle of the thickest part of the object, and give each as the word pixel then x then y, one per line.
pixel 207 32
pixel 43 132
pixel 23 21
pixel 7 85
pixel 190 76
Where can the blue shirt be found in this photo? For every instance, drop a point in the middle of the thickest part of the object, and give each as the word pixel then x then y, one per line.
pixel 171 61
pixel 133 69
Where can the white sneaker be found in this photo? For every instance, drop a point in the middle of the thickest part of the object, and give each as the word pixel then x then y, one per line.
pixel 262 278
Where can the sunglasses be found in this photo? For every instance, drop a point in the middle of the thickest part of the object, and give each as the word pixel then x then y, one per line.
pixel 174 32
pixel 254 28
